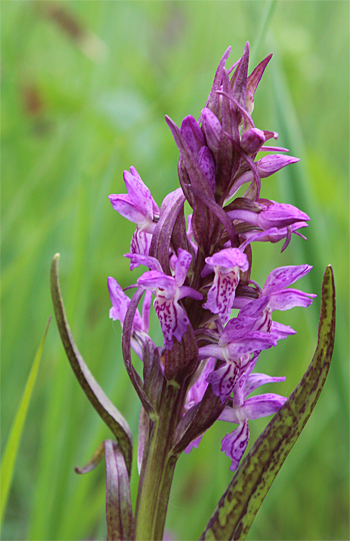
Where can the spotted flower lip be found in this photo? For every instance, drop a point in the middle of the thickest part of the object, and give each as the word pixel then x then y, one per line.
pixel 227 265
pixel 244 409
pixel 168 290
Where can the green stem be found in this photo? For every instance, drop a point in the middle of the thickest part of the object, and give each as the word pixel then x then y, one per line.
pixel 158 468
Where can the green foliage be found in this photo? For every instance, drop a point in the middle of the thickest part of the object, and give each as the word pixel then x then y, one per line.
pixel 10 454
pixel 75 114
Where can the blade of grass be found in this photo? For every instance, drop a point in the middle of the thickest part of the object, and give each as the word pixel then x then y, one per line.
pixel 265 21
pixel 10 454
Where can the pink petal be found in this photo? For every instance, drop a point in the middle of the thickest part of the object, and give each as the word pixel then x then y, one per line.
pixel 284 276
pixel 235 444
pixel 262 405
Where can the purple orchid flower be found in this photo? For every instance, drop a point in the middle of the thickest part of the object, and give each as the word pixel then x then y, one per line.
pixel 237 342
pixel 168 290
pixel 244 409
pixel 227 265
pixel 276 296
pixel 120 303
pixel 139 207
pixel 266 166
pixel 273 214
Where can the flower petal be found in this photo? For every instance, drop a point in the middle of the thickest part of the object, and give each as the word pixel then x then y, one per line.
pixel 289 298
pixel 173 319
pixel 284 276
pixel 181 266
pixel 223 380
pixel 256 380
pixel 262 405
pixel 234 444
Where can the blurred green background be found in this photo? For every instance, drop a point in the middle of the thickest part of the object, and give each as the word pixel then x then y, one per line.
pixel 85 87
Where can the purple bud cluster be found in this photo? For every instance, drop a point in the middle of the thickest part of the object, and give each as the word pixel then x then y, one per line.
pixel 200 270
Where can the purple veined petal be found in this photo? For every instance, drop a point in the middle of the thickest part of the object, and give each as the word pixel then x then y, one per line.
pixel 140 245
pixel 154 204
pixel 139 259
pixel 207 164
pixel 234 444
pixel 253 81
pixel 173 319
pixel 280 215
pixel 155 280
pixel 223 380
pixel 253 341
pixel 238 389
pixel 197 390
pixel 126 208
pixel 268 165
pixel 235 329
pixel 181 266
pixel 186 291
pixel 262 405
pixel 255 309
pixel 284 276
pixel 290 298
pixel 229 258
pixel 139 193
pixel 191 132
pixel 280 331
pixel 193 444
pixel 257 380
pixel 120 303
pixel 221 295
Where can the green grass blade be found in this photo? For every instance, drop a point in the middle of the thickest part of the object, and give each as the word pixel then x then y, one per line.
pixel 10 453
pixel 241 501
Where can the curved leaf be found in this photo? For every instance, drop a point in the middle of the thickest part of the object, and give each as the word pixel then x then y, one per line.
pixel 104 407
pixel 239 504
pixel 119 515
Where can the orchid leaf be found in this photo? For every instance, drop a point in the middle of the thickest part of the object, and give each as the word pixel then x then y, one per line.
pixel 104 407
pixel 94 461
pixel 120 520
pixel 10 454
pixel 244 495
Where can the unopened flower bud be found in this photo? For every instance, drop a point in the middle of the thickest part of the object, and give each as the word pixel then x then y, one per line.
pixel 207 164
pixel 212 129
pixel 191 132
pixel 252 140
